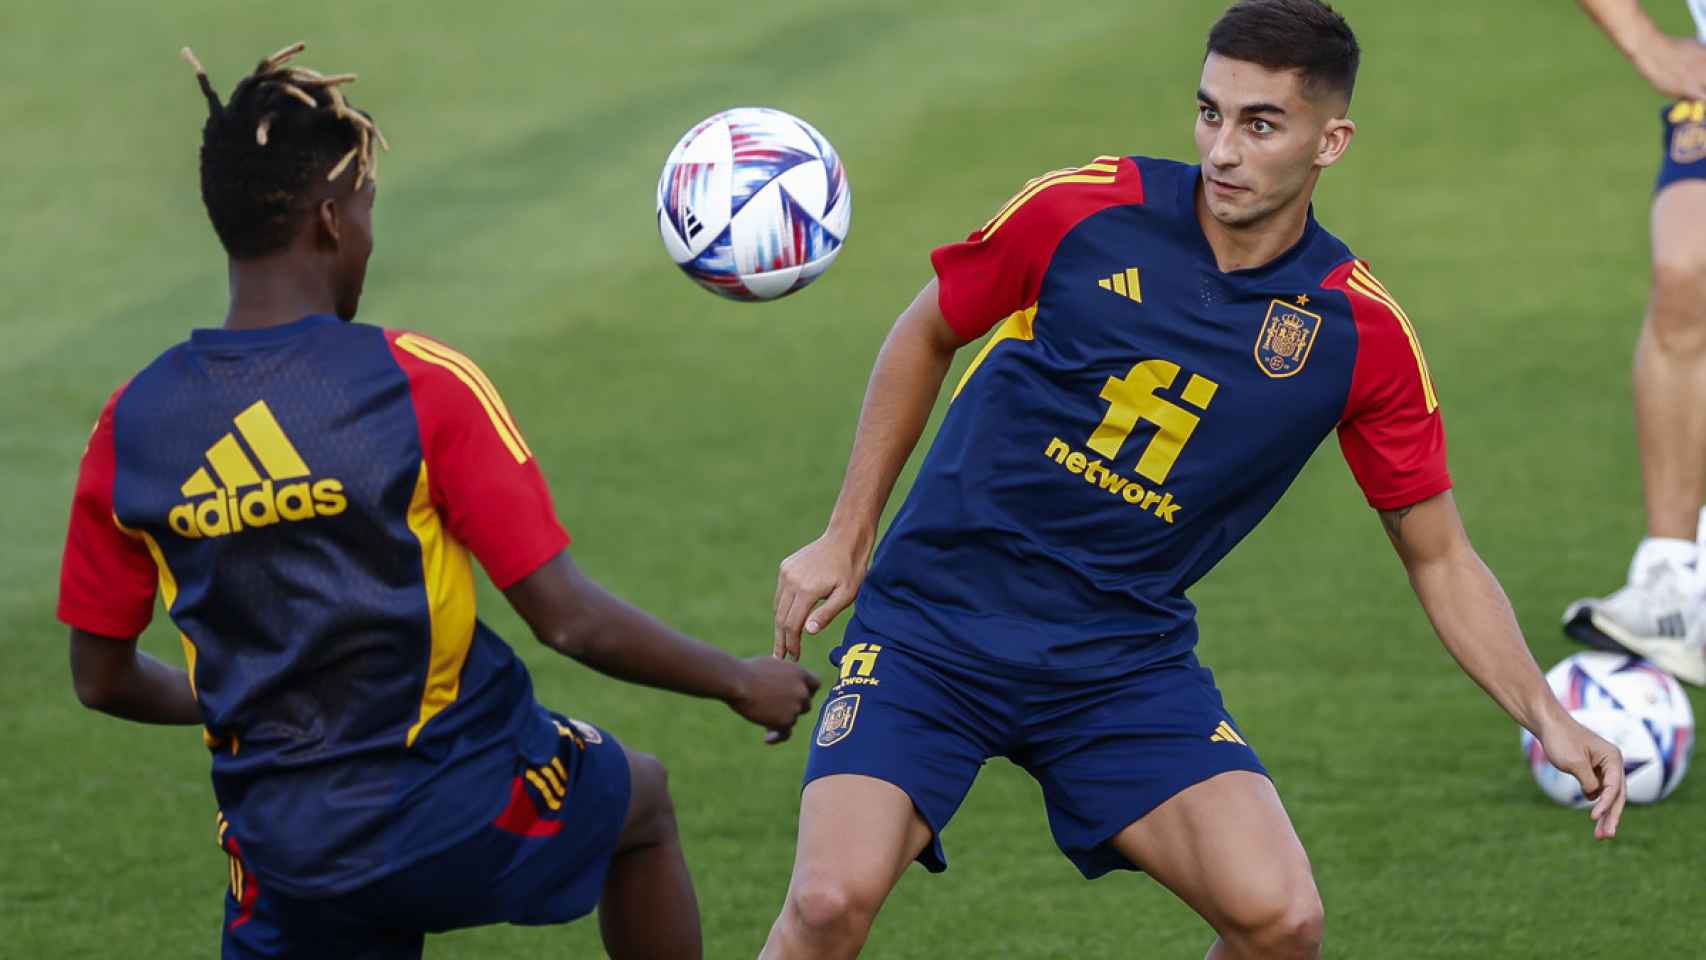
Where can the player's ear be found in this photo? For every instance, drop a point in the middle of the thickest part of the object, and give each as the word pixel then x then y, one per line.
pixel 1335 140
pixel 328 223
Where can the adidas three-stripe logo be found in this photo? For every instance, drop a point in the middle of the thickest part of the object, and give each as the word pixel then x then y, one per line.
pixel 1225 734
pixel 551 781
pixel 243 498
pixel 1125 284
pixel 266 438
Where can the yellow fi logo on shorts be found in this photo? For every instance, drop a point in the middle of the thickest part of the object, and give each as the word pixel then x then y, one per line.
pixel 857 664
pixel 243 498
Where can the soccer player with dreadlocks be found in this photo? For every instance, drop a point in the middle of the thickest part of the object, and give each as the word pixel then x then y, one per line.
pixel 304 493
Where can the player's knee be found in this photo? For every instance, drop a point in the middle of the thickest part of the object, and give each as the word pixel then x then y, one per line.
pixel 1299 930
pixel 1286 925
pixel 829 908
pixel 1677 318
pixel 651 811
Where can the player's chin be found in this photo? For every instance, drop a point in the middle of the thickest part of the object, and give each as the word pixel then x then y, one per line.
pixel 1235 214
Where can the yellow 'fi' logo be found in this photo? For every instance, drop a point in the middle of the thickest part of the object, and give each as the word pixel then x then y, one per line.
pixel 243 498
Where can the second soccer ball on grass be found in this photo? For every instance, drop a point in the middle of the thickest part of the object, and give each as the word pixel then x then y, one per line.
pixel 1632 703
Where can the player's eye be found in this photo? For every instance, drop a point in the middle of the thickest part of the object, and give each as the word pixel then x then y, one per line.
pixel 1209 114
pixel 1261 127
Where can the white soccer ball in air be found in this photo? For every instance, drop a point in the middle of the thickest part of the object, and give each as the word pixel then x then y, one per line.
pixel 753 204
pixel 1631 703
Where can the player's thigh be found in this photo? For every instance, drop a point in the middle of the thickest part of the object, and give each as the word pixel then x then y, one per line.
pixel 545 856
pixel 857 836
pixel 1679 239
pixel 1679 208
pixel 1108 753
pixel 651 810
pixel 1227 848
pixel 551 860
pixel 918 726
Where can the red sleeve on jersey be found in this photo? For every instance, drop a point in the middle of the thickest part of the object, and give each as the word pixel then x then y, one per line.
pixel 484 480
pixel 999 268
pixel 1391 432
pixel 107 577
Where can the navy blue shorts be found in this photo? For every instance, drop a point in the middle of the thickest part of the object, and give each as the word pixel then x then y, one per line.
pixel 543 860
pixel 1106 752
pixel 1685 143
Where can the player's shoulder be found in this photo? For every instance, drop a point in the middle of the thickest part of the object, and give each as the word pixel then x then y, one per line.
pixel 157 379
pixel 1386 338
pixel 1373 306
pixel 429 358
pixel 439 374
pixel 1051 203
pixel 104 419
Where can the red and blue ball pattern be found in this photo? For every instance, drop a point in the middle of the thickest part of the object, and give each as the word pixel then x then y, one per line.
pixel 753 204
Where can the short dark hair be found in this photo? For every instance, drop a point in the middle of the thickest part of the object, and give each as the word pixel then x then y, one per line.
pixel 261 151
pixel 1308 36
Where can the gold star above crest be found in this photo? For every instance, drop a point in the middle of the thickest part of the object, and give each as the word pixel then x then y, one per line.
pixel 1302 300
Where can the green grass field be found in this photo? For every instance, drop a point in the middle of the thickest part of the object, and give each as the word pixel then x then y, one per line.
pixel 1499 184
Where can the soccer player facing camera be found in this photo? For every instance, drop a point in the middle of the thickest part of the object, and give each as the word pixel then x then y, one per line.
pixel 305 494
pixel 1171 343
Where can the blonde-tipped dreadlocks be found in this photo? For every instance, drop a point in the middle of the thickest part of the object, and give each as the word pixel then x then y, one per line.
pixel 283 127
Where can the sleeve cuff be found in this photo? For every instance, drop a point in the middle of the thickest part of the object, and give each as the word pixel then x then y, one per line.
pixel 1412 495
pixel 524 563
pixel 104 623
pixel 948 301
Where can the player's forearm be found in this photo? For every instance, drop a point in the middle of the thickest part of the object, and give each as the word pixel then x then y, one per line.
pixel 902 391
pixel 1627 24
pixel 620 640
pixel 1474 620
pixel 146 691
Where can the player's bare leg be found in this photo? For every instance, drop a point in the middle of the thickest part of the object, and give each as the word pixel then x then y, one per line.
pixel 857 836
pixel 648 908
pixel 1226 847
pixel 1670 366
pixel 1661 613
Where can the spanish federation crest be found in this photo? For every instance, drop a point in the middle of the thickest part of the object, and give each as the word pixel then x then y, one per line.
pixel 838 717
pixel 1288 335
pixel 1688 143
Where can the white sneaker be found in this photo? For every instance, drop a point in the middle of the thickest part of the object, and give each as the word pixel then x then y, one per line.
pixel 1659 615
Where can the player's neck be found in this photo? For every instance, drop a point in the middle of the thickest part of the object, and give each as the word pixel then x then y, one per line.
pixel 273 291
pixel 1257 244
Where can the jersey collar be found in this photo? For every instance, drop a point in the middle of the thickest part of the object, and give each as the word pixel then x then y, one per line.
pixel 221 337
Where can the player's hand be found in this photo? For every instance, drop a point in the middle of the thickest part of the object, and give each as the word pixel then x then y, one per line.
pixel 1676 67
pixel 1596 764
pixel 773 693
pixel 812 587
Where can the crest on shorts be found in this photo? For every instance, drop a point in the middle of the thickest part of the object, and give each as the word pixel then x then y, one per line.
pixel 581 732
pixel 838 717
pixel 1688 143
pixel 589 732
pixel 1288 335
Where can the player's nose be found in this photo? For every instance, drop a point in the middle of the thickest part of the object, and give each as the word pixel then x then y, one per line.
pixel 1223 152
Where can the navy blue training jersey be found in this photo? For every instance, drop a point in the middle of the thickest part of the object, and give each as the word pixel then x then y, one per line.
pixel 1134 415
pixel 305 500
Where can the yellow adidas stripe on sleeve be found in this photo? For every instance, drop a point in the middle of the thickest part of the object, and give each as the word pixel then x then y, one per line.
pixel 1364 283
pixel 475 380
pixel 1101 170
